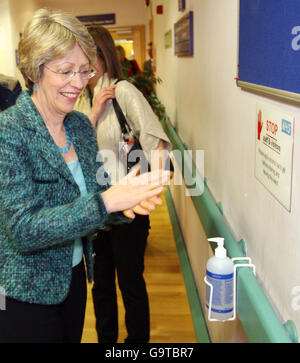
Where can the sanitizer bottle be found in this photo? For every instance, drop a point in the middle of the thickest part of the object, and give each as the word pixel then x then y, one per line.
pixel 219 273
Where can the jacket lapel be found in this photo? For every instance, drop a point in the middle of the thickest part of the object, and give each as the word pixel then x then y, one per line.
pixel 84 142
pixel 41 139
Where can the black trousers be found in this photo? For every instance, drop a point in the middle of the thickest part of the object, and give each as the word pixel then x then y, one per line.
pixel 121 250
pixel 32 323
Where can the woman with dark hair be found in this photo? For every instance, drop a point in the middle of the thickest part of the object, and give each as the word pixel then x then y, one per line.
pixel 122 248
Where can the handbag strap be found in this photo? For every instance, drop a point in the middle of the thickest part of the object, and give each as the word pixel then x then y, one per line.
pixel 125 128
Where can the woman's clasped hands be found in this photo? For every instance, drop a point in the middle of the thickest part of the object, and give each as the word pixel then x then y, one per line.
pixel 136 194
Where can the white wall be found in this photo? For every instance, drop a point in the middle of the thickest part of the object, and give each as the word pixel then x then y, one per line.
pixel 7 62
pixel 211 113
pixel 13 16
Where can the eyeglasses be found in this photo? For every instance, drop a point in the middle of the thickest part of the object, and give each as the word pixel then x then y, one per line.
pixel 68 74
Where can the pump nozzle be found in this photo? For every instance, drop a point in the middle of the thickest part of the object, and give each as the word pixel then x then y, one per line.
pixel 220 251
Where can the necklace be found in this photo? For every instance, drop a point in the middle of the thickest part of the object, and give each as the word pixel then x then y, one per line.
pixel 67 148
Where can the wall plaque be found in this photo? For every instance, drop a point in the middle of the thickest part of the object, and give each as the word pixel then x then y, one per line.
pixel 101 19
pixel 184 36
pixel 181 5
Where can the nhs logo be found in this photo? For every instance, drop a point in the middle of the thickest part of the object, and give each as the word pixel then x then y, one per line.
pixel 286 127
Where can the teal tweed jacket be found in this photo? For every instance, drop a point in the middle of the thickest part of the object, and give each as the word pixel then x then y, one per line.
pixel 41 210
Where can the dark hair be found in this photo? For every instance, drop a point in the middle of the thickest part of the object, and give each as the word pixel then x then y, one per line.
pixel 106 50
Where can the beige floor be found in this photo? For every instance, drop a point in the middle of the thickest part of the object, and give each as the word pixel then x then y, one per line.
pixel 171 321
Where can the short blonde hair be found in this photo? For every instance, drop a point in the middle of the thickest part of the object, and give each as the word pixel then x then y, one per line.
pixel 49 35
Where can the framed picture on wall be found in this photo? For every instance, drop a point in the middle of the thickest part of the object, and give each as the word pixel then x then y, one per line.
pixel 181 5
pixel 184 36
pixel 168 39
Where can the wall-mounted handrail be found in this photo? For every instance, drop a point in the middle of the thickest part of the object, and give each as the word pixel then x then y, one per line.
pixel 259 320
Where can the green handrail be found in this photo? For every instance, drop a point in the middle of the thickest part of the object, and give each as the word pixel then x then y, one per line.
pixel 201 331
pixel 259 320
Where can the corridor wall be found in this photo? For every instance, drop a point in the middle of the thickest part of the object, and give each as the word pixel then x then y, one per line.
pixel 211 113
pixel 6 66
pixel 13 16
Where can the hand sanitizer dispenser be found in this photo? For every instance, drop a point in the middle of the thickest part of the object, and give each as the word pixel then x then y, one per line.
pixel 219 274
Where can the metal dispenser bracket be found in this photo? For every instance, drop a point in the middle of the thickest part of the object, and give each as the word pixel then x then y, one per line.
pixel 236 266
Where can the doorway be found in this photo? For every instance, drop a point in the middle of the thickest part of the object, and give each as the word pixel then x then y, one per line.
pixel 132 39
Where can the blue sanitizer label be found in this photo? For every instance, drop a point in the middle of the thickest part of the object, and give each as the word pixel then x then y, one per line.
pixel 222 299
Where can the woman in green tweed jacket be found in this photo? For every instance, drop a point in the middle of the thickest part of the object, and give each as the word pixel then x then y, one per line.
pixel 50 200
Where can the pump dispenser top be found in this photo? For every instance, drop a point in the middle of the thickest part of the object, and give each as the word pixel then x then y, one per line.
pixel 220 251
